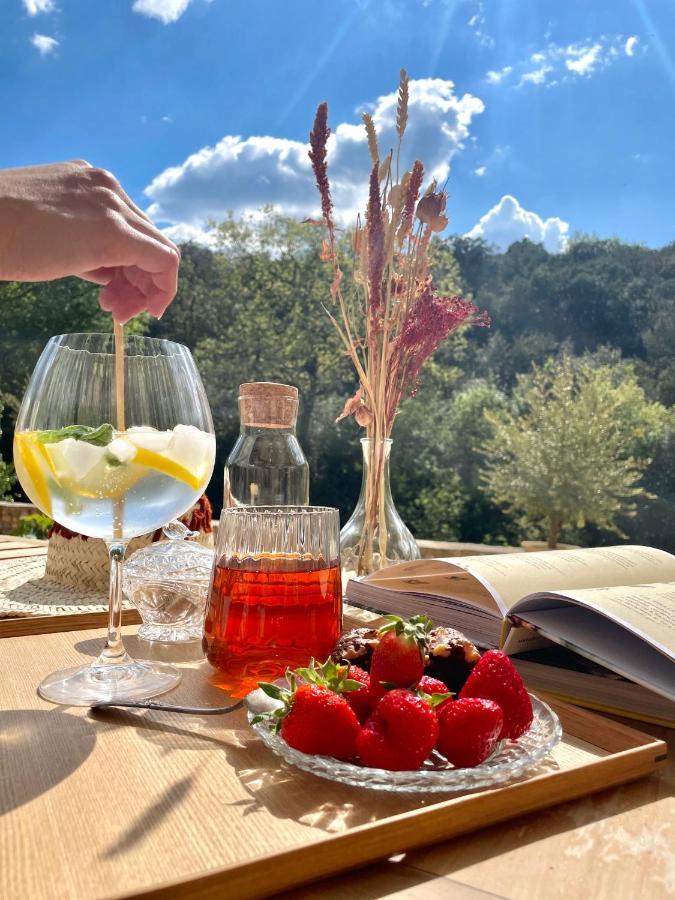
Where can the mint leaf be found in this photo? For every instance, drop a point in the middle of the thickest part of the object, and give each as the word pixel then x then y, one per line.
pixel 100 436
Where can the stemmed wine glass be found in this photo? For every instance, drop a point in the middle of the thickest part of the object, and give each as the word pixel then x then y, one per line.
pixel 113 446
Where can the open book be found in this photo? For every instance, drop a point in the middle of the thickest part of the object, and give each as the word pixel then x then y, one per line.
pixel 614 606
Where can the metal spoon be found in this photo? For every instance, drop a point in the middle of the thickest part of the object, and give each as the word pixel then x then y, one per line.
pixel 170 707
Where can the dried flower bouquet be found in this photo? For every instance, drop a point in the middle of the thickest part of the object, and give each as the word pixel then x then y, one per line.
pixel 394 320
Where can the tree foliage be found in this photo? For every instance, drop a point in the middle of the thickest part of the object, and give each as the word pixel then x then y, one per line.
pixel 572 449
pixel 252 308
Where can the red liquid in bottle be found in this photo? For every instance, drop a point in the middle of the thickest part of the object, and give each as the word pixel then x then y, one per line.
pixel 268 614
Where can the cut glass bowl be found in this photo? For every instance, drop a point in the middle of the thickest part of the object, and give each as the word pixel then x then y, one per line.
pixel 509 760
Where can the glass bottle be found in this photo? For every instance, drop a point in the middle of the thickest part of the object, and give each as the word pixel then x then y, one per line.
pixel 267 466
pixel 364 545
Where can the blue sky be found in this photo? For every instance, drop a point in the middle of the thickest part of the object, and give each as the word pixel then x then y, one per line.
pixel 551 118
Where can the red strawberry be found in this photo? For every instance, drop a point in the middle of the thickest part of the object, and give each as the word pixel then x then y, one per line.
pixel 494 678
pixel 434 689
pixel 320 721
pixel 400 734
pixel 359 700
pixel 469 731
pixel 398 659
pixel 432 685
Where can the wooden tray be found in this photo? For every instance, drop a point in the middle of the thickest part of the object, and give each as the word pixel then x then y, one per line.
pixel 141 804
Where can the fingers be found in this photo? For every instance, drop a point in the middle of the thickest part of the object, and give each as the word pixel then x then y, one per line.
pixel 143 224
pixel 99 276
pixel 102 179
pixel 121 298
pixel 141 273
pixel 130 290
pixel 161 263
pixel 145 278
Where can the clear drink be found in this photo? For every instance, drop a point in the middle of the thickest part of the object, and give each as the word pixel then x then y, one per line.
pixel 113 481
pixel 137 479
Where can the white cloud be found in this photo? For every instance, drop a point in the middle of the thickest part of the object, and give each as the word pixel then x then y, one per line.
pixel 507 222
pixel 167 119
pixel 182 233
pixel 243 174
pixel 476 23
pixel 559 63
pixel 480 171
pixel 166 11
pixel 630 44
pixel 584 61
pixel 33 7
pixel 494 77
pixel 44 44
pixel 538 76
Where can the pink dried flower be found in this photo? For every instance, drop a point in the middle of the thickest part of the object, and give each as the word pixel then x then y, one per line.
pixel 427 324
pixel 412 192
pixel 318 139
pixel 375 247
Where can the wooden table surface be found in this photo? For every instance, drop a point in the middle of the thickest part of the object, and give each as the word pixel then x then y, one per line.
pixel 619 843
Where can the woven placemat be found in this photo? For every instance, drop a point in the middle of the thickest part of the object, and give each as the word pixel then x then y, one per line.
pixel 25 590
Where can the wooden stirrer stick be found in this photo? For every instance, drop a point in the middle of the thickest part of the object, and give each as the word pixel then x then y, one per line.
pixel 119 374
pixel 118 503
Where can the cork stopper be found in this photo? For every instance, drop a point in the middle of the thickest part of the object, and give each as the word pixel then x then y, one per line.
pixel 265 404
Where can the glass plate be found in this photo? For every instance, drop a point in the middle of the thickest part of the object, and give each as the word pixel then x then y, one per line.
pixel 510 758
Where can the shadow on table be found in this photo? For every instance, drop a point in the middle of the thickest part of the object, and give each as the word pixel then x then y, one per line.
pixel 171 652
pixel 38 749
pixel 320 804
pixel 151 818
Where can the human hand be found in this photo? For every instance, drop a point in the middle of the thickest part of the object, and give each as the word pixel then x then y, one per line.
pixel 73 219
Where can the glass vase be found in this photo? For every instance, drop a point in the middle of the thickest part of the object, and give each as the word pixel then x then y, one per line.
pixel 375 536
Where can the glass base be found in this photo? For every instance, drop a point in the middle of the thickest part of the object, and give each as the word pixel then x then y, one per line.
pixel 88 685
pixel 168 634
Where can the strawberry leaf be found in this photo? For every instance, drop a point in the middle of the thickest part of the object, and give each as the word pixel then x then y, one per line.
pixel 415 630
pixel 395 624
pixel 272 690
pixel 310 675
pixel 350 684
pixel 435 700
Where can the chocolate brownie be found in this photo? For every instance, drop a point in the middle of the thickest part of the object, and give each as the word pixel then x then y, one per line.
pixel 450 656
pixel 355 647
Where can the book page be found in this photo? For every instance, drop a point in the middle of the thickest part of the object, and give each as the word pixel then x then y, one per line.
pixel 509 577
pixel 638 641
pixel 434 578
pixel 646 610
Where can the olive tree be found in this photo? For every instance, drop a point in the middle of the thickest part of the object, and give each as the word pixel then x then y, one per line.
pixel 573 446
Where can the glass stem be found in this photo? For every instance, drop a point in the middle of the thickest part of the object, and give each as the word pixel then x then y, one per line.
pixel 114 652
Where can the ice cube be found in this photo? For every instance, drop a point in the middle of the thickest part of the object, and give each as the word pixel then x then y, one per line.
pixel 149 439
pixel 191 447
pixel 122 449
pixel 74 459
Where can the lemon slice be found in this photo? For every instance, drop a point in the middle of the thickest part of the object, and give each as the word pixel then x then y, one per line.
pixel 166 466
pixel 30 451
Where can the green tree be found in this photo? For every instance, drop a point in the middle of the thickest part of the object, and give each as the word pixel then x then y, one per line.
pixel 7 480
pixel 571 450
